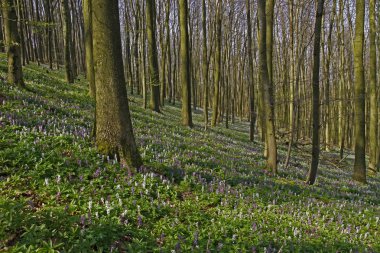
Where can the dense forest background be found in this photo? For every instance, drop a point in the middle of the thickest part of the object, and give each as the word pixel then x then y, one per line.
pixel 223 69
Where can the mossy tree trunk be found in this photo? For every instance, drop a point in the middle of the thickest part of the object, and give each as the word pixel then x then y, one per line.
pixel 264 76
pixel 359 100
pixel 67 40
pixel 152 55
pixel 114 132
pixel 13 43
pixel 185 64
pixel 312 175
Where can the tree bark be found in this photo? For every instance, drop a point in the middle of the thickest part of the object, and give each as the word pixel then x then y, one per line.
pixel 90 71
pixel 218 49
pixel 114 133
pixel 312 175
pixel 67 40
pixel 185 65
pixel 373 129
pixel 152 55
pixel 359 121
pixel 269 121
pixel 13 43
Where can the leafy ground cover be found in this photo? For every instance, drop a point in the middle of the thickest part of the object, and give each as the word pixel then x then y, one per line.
pixel 198 191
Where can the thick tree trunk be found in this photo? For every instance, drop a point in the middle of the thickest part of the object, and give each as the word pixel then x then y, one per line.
pixel 114 133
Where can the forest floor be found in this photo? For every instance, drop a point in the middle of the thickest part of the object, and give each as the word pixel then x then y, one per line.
pixel 200 191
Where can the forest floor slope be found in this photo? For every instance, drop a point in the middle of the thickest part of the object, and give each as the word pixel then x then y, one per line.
pixel 199 190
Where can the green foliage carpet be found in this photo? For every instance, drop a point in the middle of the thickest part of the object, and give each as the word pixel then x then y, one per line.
pixel 199 191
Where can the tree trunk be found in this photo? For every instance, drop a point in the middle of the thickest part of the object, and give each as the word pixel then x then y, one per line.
pixel 218 49
pixel 251 85
pixel 312 175
pixel 67 40
pixel 90 71
pixel 205 68
pixel 185 65
pixel 373 130
pixel 269 121
pixel 359 121
pixel 152 55
pixel 114 133
pixel 13 43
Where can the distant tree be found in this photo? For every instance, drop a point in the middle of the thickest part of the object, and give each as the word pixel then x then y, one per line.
pixel 359 102
pixel 114 132
pixel 152 55
pixel 13 43
pixel 205 66
pixel 217 64
pixel 250 74
pixel 373 130
pixel 67 26
pixel 2 46
pixel 185 64
pixel 49 33
pixel 90 71
pixel 316 108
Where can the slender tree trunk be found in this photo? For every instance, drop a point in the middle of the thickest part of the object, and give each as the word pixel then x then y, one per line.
pixel 312 175
pixel 114 133
pixel 13 43
pixel 136 47
pixel 373 132
pixel 218 49
pixel 269 12
pixel 152 55
pixel 269 121
pixel 251 85
pixel 2 38
pixel 185 64
pixel 359 122
pixel 205 68
pixel 67 40
pixel 90 71
pixel 327 88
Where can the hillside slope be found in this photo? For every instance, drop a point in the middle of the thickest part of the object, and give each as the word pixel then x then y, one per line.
pixel 200 191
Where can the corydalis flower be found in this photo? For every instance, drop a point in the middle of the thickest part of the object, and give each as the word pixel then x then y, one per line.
pixel 139 221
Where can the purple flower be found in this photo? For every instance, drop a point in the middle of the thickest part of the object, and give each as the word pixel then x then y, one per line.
pixel 139 221
pixel 82 220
